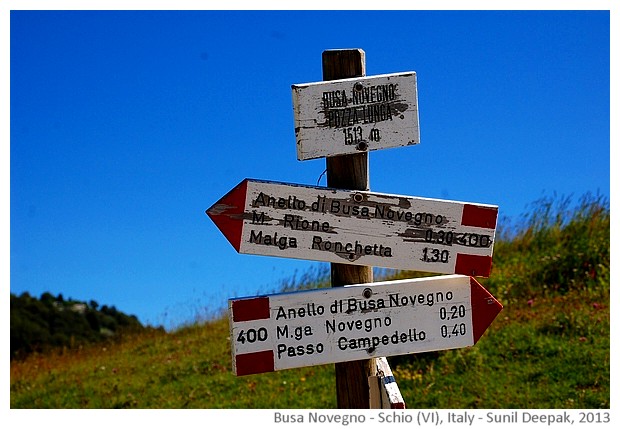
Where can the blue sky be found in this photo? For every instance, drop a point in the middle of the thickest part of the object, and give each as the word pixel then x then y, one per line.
pixel 125 126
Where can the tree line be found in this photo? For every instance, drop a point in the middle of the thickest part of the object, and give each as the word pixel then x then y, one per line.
pixel 48 322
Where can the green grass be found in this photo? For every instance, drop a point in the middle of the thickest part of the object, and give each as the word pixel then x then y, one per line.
pixel 548 348
pixel 551 353
pixel 190 368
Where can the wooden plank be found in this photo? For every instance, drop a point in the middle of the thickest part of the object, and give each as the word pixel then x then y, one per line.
pixel 384 392
pixel 355 115
pixel 291 330
pixel 349 172
pixel 375 393
pixel 358 227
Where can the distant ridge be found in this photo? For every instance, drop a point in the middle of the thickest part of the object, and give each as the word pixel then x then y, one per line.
pixel 48 322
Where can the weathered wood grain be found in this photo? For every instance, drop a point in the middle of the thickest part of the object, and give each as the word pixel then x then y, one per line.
pixel 358 228
pixel 355 115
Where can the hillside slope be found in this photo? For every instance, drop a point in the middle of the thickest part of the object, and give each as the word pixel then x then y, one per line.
pixel 549 347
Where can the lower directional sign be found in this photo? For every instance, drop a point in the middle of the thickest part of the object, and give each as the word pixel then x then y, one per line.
pixel 355 227
pixel 290 330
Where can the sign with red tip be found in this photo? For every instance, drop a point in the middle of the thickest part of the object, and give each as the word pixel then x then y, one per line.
pixel 290 330
pixel 356 227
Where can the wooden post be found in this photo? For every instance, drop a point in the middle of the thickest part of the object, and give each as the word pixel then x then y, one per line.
pixel 349 172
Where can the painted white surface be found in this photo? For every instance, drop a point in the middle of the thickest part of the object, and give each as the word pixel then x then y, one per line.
pixel 347 323
pixel 355 115
pixel 360 228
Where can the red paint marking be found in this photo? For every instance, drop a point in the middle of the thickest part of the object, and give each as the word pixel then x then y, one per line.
pixel 244 310
pixel 484 308
pixel 227 213
pixel 398 406
pixel 482 217
pixel 473 265
pixel 254 363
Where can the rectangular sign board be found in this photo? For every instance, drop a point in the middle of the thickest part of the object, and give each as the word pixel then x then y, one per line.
pixel 355 115
pixel 356 227
pixel 339 324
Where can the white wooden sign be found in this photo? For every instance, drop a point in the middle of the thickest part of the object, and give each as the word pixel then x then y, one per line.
pixel 384 392
pixel 355 115
pixel 355 227
pixel 290 330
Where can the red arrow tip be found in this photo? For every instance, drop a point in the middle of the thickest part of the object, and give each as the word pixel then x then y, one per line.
pixel 227 213
pixel 484 308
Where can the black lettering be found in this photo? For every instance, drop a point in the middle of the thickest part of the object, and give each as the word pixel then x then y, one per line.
pixel 258 218
pixel 281 331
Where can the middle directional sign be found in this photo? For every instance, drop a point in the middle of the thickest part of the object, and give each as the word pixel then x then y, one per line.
pixel 357 227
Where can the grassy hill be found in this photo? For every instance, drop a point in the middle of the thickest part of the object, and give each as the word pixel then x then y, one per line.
pixel 548 348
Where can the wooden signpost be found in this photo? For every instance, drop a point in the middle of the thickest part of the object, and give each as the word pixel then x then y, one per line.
pixel 355 327
pixel 290 330
pixel 355 115
pixel 357 227
pixel 349 172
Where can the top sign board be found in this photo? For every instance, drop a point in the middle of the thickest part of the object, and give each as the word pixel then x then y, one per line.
pixel 355 115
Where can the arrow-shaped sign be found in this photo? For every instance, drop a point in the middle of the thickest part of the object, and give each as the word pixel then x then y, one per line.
pixel 356 227
pixel 290 330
